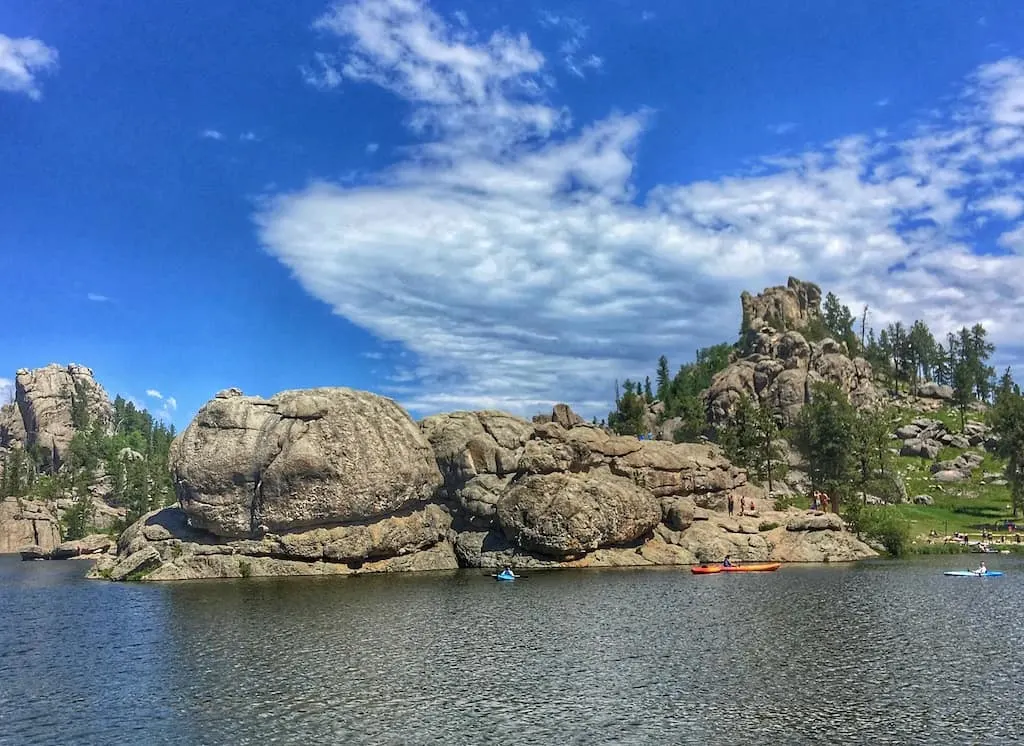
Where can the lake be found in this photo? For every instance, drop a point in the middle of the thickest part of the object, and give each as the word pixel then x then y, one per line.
pixel 875 653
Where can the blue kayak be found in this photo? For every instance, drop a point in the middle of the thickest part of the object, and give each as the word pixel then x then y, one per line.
pixel 972 574
pixel 504 576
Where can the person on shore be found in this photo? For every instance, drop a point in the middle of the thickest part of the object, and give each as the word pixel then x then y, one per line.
pixel 732 503
pixel 743 505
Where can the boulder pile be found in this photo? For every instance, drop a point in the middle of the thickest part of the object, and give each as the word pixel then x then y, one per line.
pixel 338 481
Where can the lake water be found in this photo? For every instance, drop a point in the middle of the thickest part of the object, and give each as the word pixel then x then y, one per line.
pixel 877 653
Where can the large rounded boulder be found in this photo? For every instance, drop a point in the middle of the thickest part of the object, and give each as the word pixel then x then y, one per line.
pixel 567 515
pixel 304 458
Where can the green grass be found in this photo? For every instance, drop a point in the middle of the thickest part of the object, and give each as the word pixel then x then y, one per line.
pixel 964 507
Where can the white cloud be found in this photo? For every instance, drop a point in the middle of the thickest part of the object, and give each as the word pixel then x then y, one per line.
pixel 372 147
pixel 97 298
pixel 6 391
pixel 882 102
pixel 1008 206
pixel 1013 240
pixel 167 405
pixel 782 128
pixel 212 134
pixel 526 269
pixel 324 74
pixel 22 61
pixel 248 137
pixel 569 49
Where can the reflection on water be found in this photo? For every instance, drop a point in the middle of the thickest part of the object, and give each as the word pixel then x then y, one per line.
pixel 880 653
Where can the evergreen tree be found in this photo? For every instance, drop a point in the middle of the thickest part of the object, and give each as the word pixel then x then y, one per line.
pixel 648 394
pixel 750 440
pixel 921 354
pixel 628 417
pixel 839 322
pixel 1007 420
pixel 824 435
pixel 663 377
pixel 872 460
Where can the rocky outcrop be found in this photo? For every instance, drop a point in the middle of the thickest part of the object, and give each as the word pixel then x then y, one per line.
pixel 300 459
pixel 464 489
pixel 777 365
pixel 563 515
pixel 47 401
pixel 163 546
pixel 931 390
pixel 780 374
pixel 925 438
pixel 27 523
pixel 783 308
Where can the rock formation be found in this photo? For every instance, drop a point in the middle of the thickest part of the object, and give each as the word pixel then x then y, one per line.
pixel 26 523
pixel 41 421
pixel 298 460
pixel 46 399
pixel 782 308
pixel 335 481
pixel 781 365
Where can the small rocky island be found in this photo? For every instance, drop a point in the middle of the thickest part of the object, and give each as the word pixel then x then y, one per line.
pixel 338 481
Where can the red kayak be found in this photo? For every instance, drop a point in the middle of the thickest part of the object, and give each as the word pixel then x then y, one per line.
pixel 756 567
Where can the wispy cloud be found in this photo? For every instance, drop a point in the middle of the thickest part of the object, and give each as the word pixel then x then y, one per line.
pixel 782 128
pixel 372 147
pixel 570 48
pixel 166 407
pixel 248 137
pixel 323 73
pixel 528 269
pixel 212 134
pixel 22 61
pixel 882 102
pixel 97 298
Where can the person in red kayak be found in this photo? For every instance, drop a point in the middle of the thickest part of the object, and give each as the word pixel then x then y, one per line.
pixel 727 562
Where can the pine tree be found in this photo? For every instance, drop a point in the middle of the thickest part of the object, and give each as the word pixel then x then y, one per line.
pixel 824 436
pixel 663 378
pixel 1007 420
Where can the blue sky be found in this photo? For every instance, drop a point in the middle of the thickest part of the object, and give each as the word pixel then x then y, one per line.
pixel 498 204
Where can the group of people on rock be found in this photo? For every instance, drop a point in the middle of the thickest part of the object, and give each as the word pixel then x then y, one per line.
pixel 820 501
pixel 743 505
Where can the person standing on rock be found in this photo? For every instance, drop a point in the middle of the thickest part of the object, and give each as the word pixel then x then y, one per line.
pixel 732 503
pixel 743 505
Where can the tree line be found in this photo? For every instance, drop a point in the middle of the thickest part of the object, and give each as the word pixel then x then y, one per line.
pixel 847 449
pixel 128 462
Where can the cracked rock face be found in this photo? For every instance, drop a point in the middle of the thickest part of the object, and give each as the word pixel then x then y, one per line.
pixel 301 459
pixel 45 399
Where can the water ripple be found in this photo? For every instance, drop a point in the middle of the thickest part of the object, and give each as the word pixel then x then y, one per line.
pixel 879 653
